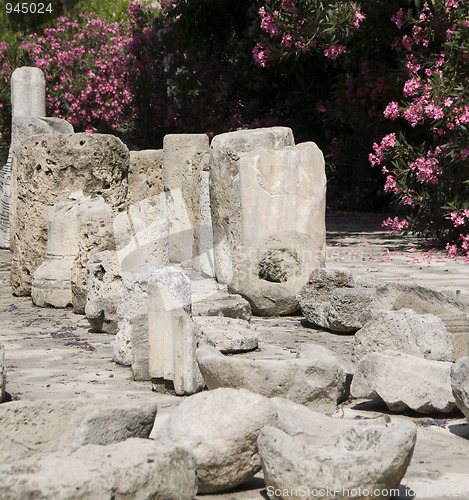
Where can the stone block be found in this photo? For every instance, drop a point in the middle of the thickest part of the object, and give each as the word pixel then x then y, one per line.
pixel 457 326
pixel 316 380
pixel 184 158
pixel 366 457
pixel 220 427
pixel 405 331
pixel 54 279
pixel 271 272
pixel 225 199
pixel 136 284
pixel 403 381
pixel 460 384
pixel 204 238
pixel 173 339
pixel 47 170
pixel 222 304
pixel 228 335
pixel 145 174
pixel 28 92
pixel 3 374
pixel 105 291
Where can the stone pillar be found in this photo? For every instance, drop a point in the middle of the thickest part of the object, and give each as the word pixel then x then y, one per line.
pixel 172 337
pixel 283 190
pixel 145 174
pixel 206 262
pixel 49 169
pixel 3 374
pixel 226 150
pixel 183 159
pixel 52 283
pixel 28 98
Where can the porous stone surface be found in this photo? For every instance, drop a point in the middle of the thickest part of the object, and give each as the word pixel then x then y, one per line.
pixel 460 384
pixel 366 456
pixel 173 339
pixel 105 291
pixel 222 304
pixel 457 326
pixel 271 272
pixel 28 91
pixel 3 374
pixel 317 380
pixel 226 151
pixel 403 381
pixel 228 335
pixel 58 281
pixel 49 168
pixel 45 426
pixel 337 300
pixel 405 331
pixel 205 260
pixel 136 302
pixel 220 428
pixel 145 174
pixel 135 468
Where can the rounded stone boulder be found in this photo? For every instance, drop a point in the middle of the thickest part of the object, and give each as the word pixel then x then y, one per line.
pixel 271 272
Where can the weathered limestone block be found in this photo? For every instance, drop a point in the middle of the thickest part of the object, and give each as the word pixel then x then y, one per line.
pixel 228 335
pixel 136 468
pixel 403 381
pixel 405 331
pixel 184 158
pixel 145 174
pixel 49 168
pixel 317 381
pixel 365 457
pixel 205 255
pixel 52 281
pixel 457 326
pixel 283 190
pixel 173 339
pixel 220 427
pixel 141 234
pixel 96 235
pixel 271 272
pixel 222 304
pixel 3 374
pixel 336 300
pixel 225 198
pixel 105 291
pixel 28 92
pixel 460 384
pixel 136 301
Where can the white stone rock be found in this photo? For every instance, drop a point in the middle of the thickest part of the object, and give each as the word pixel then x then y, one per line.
pixel 184 156
pixel 460 384
pixel 228 335
pixel 173 339
pixel 141 234
pixel 367 456
pixel 136 468
pixel 136 301
pixel 53 280
pixel 145 174
pixel 226 150
pixel 220 428
pixel 317 381
pixel 206 258
pixel 405 331
pixel 271 272
pixel 28 91
pixel 105 291
pixel 222 304
pixel 47 170
pixel 403 381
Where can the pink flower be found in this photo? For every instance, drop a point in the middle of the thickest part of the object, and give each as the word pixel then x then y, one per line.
pixel 261 55
pixel 391 111
pixel 333 52
pixel 391 185
pixel 452 250
pixel 411 86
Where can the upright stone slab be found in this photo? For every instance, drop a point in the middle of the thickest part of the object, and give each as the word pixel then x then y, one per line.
pixel 204 259
pixel 184 156
pixel 49 168
pixel 283 190
pixel 28 92
pixel 172 337
pixel 145 174
pixel 3 374
pixel 28 118
pixel 226 150
pixel 52 280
